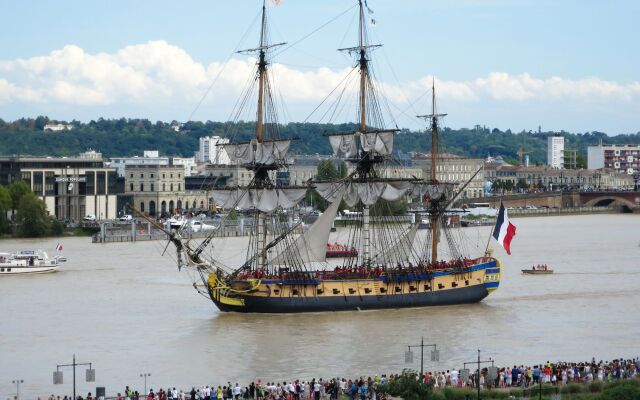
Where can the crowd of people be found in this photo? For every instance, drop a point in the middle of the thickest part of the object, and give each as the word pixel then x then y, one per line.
pixel 401 271
pixel 361 388
pixel 559 373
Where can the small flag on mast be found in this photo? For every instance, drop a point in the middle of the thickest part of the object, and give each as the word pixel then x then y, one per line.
pixel 504 230
pixel 59 247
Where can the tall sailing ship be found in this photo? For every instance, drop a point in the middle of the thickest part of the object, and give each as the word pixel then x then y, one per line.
pixel 286 271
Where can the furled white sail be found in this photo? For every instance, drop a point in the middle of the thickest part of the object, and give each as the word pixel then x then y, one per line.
pixel 399 249
pixel 240 153
pixel 366 192
pixel 431 190
pixel 344 146
pixel 311 245
pixel 268 152
pixel 265 200
pixel 377 142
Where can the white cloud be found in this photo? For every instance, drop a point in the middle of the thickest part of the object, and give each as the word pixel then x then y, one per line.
pixel 503 86
pixel 153 74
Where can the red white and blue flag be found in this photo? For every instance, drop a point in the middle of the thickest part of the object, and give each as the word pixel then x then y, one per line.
pixel 59 247
pixel 504 230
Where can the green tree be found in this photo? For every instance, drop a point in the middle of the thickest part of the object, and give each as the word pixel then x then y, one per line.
pixel 508 185
pixel 388 208
pixel 522 184
pixel 18 189
pixel 408 386
pixel 32 218
pixel 327 171
pixel 5 206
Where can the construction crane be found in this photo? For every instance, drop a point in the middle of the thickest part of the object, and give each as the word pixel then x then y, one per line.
pixel 521 153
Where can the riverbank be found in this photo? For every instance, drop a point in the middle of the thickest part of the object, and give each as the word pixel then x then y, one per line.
pixel 407 385
pixel 554 212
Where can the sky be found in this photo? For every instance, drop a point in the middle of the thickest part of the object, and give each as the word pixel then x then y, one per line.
pixel 512 64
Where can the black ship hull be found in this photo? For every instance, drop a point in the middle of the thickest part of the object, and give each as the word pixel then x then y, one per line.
pixel 254 304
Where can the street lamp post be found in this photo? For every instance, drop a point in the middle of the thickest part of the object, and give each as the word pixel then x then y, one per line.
pixel 17 382
pixel 478 362
pixel 90 374
pixel 435 354
pixel 145 375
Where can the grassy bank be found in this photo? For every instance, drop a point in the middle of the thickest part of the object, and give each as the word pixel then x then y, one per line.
pixel 619 390
pixel 66 232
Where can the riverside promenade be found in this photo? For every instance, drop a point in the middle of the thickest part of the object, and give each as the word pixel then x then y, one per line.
pixel 554 380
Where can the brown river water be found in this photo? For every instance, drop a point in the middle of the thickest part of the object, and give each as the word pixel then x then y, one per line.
pixel 126 308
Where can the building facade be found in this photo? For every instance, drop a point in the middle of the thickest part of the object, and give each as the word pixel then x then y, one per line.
pixel 547 178
pixel 159 190
pixel 455 169
pixel 623 158
pixel 210 150
pixel 71 187
pixel 555 151
pixel 152 157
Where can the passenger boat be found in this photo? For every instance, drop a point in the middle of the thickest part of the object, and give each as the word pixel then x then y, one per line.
pixel 538 270
pixel 337 250
pixel 27 262
pixel 285 272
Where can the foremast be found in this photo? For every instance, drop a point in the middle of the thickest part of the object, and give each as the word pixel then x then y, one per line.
pixel 435 206
pixel 262 155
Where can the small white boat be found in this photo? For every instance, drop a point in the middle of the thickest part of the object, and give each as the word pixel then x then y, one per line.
pixel 27 262
pixel 175 222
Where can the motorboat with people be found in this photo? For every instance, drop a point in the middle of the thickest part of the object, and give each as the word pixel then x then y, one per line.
pixel 27 262
pixel 540 269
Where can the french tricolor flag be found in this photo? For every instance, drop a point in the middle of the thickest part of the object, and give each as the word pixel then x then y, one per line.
pixel 504 230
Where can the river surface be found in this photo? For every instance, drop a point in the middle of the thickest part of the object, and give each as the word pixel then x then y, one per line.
pixel 126 308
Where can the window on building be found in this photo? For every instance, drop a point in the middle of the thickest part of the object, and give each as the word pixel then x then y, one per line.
pixel 131 176
pixel 131 188
pixel 142 187
pixel 171 187
pixel 101 182
pixel 163 176
pixel 141 175
pixel 179 185
pixel 171 176
pixel 152 175
pixel 142 207
pixel 152 187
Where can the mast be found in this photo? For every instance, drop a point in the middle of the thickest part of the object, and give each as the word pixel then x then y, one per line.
pixel 262 69
pixel 363 72
pixel 366 240
pixel 261 172
pixel 434 211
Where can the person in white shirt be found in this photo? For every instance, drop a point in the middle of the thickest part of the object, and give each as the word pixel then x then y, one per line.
pixel 236 391
pixel 454 377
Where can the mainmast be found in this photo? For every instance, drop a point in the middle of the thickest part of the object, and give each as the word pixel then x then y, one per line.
pixel 363 72
pixel 434 211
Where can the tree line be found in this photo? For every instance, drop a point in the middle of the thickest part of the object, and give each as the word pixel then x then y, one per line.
pixel 128 137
